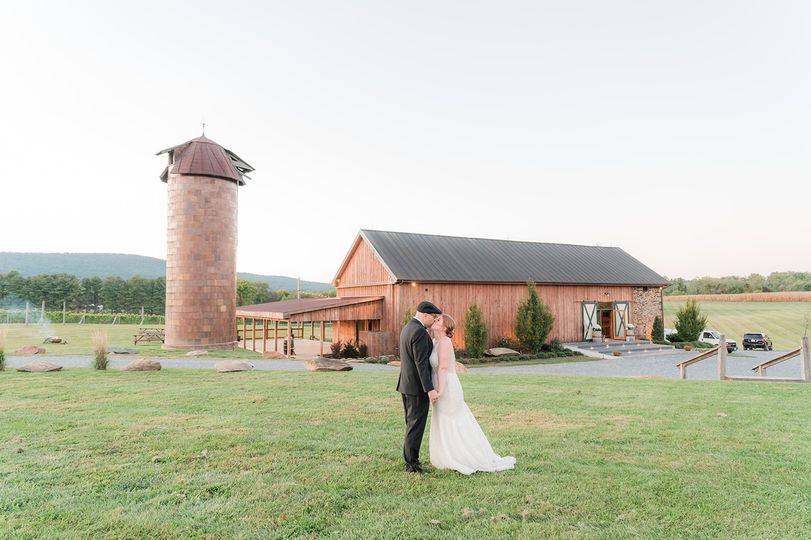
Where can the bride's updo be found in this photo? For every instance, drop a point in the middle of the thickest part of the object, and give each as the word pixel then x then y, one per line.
pixel 449 323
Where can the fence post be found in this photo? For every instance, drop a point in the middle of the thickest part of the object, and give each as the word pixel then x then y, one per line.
pixel 806 359
pixel 27 308
pixel 42 313
pixel 722 358
pixel 64 306
pixel 142 317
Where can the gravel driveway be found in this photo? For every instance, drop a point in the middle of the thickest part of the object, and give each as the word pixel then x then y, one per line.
pixel 654 365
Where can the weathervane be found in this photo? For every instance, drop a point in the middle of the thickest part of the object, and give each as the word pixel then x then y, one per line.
pixel 204 128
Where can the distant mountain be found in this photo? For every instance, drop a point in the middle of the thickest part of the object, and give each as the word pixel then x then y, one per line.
pixel 121 265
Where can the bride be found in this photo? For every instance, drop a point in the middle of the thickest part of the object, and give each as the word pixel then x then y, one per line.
pixel 456 441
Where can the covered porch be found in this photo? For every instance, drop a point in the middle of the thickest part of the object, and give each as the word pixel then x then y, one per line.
pixel 308 326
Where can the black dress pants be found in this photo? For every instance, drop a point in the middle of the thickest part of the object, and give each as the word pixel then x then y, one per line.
pixel 416 414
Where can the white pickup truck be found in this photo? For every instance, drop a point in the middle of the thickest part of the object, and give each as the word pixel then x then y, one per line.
pixel 712 337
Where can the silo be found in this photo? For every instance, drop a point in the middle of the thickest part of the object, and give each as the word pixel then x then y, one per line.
pixel 201 244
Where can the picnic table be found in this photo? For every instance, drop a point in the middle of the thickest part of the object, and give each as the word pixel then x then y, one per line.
pixel 149 334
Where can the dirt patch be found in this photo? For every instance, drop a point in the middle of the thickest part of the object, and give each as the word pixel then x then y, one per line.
pixel 538 419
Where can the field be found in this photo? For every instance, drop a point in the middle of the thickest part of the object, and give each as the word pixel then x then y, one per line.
pixel 788 296
pixel 784 322
pixel 193 454
pixel 79 338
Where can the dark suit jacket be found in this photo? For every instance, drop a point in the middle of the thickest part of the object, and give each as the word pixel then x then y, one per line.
pixel 415 364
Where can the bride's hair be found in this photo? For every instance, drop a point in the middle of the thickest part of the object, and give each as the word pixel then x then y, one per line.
pixel 450 324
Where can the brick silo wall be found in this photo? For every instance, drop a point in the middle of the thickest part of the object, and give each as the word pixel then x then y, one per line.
pixel 201 272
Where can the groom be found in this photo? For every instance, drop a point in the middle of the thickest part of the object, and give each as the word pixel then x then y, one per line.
pixel 415 380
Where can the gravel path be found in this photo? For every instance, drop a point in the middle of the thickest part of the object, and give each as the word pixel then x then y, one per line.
pixel 654 365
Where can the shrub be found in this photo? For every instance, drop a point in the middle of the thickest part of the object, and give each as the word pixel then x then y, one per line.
pixel 363 349
pixel 349 350
pixel 335 348
pixel 407 316
pixel 533 322
pixel 99 339
pixel 2 349
pixel 475 331
pixel 658 331
pixel 689 321
pixel 506 343
pixel 673 338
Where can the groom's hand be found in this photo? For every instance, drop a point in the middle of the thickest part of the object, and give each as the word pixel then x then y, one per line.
pixel 433 395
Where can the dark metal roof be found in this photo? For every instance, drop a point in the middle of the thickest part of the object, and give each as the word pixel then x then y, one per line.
pixel 204 157
pixel 427 257
pixel 285 308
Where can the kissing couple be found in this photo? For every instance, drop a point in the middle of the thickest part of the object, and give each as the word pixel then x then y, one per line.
pixel 428 375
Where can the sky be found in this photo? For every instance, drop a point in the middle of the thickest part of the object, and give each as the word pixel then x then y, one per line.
pixel 679 131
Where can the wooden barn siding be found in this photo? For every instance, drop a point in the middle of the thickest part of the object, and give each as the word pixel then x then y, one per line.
pixel 363 268
pixel 367 311
pixel 499 304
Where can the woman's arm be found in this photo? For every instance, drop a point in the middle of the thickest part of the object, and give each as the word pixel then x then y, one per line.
pixel 444 357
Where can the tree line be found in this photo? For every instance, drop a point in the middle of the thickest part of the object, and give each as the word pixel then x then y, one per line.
pixel 112 294
pixel 774 282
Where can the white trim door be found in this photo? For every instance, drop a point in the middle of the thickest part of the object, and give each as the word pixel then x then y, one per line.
pixel 589 316
pixel 621 312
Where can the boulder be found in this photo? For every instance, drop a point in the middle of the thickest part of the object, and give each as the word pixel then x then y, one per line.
pixel 327 364
pixel 29 350
pixel 616 353
pixel 199 352
pixel 142 364
pixel 122 350
pixel 500 351
pixel 273 355
pixel 230 366
pixel 55 340
pixel 461 368
pixel 39 366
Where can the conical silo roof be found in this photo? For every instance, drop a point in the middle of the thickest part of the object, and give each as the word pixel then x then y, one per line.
pixel 204 157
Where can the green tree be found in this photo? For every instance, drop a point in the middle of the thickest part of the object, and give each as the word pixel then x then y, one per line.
pixel 689 321
pixel 475 332
pixel 658 330
pixel 533 322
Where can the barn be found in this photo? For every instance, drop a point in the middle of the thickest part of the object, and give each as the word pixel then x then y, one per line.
pixel 386 274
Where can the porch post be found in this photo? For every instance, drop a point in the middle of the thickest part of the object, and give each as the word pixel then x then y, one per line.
pixel 264 336
pixel 289 337
pixel 322 338
pixel 253 334
pixel 276 336
pixel 244 334
pixel 722 358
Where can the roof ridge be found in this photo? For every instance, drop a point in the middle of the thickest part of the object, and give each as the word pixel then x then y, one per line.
pixel 492 239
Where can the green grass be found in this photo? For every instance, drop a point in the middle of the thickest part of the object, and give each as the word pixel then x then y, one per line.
pixel 79 340
pixel 784 322
pixel 192 454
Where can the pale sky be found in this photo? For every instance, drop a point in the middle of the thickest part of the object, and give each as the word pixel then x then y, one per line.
pixel 679 131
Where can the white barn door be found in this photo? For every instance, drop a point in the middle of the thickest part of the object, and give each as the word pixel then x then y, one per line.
pixel 621 312
pixel 589 314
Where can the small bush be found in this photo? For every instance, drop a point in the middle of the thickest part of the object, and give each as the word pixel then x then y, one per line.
pixel 349 350
pixel 557 346
pixel 335 348
pixel 100 360
pixel 533 322
pixel 658 330
pixel 689 321
pixel 2 349
pixel 673 338
pixel 475 331
pixel 506 343
pixel 363 349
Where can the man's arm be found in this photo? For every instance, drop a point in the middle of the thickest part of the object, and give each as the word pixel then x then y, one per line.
pixel 422 347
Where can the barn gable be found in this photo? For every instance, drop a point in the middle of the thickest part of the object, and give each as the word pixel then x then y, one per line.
pixel 362 266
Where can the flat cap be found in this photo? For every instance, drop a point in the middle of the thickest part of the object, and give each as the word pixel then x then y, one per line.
pixel 427 307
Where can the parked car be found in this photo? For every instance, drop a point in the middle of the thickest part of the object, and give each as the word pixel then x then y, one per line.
pixel 757 340
pixel 712 337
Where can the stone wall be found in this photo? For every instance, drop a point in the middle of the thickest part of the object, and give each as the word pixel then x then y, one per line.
pixel 647 305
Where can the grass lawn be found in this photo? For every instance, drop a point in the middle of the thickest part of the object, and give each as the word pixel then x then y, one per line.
pixel 784 322
pixel 79 338
pixel 184 453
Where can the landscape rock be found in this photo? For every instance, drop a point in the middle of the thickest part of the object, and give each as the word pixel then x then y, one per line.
pixel 199 352
pixel 616 353
pixel 327 364
pixel 230 366
pixel 55 340
pixel 29 350
pixel 142 364
pixel 39 366
pixel 123 350
pixel 500 351
pixel 273 355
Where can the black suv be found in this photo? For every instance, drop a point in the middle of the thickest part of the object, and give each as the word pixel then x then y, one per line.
pixel 757 340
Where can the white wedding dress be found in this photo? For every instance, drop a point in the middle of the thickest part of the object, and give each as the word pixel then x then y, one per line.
pixel 456 440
